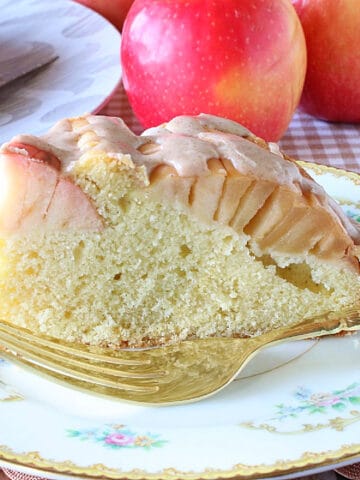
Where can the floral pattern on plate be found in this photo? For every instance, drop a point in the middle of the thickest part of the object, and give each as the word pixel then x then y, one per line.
pixel 117 436
pixel 355 216
pixel 8 394
pixel 310 405
pixel 322 402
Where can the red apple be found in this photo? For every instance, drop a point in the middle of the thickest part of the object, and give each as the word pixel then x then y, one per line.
pixel 240 59
pixel 113 10
pixel 332 84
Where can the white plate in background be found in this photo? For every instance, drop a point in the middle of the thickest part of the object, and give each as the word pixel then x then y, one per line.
pixel 82 78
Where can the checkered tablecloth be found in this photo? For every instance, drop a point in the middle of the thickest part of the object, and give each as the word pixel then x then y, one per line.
pixel 308 139
pixel 333 144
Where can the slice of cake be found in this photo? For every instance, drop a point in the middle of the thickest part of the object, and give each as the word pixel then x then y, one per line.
pixel 195 228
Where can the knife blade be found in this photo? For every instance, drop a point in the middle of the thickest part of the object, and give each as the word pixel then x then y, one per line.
pixel 17 60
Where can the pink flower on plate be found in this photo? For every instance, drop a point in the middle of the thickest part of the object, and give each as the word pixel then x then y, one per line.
pixel 119 439
pixel 324 399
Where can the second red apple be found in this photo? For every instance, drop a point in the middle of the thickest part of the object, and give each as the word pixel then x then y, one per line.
pixel 332 85
pixel 113 10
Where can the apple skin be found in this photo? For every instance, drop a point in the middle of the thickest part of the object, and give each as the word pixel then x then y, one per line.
pixel 113 10
pixel 332 84
pixel 242 60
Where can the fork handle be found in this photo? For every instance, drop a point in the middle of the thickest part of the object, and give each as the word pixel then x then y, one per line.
pixel 328 323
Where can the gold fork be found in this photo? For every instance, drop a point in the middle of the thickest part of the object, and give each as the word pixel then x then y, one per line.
pixel 179 373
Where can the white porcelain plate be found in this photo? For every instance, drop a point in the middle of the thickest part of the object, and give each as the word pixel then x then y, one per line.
pixel 80 80
pixel 294 410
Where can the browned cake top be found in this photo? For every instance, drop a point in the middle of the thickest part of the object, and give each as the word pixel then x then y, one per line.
pixel 186 144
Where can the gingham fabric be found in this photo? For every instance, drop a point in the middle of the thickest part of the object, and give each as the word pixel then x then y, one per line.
pixel 333 144
pixel 6 474
pixel 308 139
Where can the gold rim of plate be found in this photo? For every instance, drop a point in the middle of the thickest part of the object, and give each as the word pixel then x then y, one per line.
pixel 319 169
pixel 34 463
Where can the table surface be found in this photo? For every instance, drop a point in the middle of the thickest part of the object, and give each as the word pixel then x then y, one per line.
pixel 307 139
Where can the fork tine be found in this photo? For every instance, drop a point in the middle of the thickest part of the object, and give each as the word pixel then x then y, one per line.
pixel 123 357
pixel 186 371
pixel 139 396
pixel 33 349
pixel 26 356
